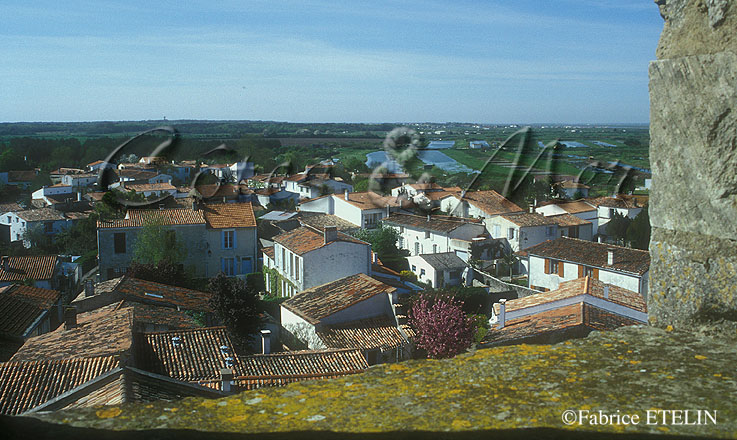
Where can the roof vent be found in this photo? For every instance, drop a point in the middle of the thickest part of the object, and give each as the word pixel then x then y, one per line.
pixel 610 257
pixel 176 341
pixel 229 362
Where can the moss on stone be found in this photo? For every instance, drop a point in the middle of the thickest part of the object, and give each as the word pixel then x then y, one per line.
pixel 630 370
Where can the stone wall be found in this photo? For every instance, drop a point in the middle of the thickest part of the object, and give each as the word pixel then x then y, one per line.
pixel 693 154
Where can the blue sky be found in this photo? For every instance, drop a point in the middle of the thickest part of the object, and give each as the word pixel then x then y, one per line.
pixel 560 61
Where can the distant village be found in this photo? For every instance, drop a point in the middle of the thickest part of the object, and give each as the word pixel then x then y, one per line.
pixel 72 337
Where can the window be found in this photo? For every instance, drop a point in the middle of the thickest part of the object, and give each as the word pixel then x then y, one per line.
pixel 401 242
pixel 434 249
pixel 296 268
pixel 611 212
pixel 401 229
pixel 372 219
pixel 589 272
pixel 551 231
pixel 414 268
pixel 283 259
pixel 291 265
pixel 119 242
pixel 427 234
pixel 510 233
pixel 227 265
pixel 417 248
pixel 554 266
pixel 228 239
pixel 422 272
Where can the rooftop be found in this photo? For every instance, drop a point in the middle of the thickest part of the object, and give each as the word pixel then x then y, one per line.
pixel 43 214
pixel 444 261
pixel 620 201
pixel 305 239
pixel 21 306
pixel 566 219
pixel 322 301
pixel 593 254
pixel 571 207
pixel 490 202
pixel 426 222
pixel 27 384
pixel 29 267
pixel 371 200
pixel 528 219
pixel 365 334
pixel 163 294
pixel 141 187
pixel 229 215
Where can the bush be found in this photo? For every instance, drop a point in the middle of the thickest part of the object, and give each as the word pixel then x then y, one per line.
pixel 443 330
pixel 408 275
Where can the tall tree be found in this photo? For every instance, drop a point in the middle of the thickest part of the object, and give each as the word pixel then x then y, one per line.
pixel 384 242
pixel 156 242
pixel 237 305
pixel 638 231
pixel 617 226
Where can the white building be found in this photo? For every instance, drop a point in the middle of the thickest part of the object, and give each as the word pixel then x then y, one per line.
pixel 438 270
pixel 363 209
pixel 477 204
pixel 607 206
pixel 98 165
pixel 309 186
pixel 51 194
pixel 152 189
pixel 47 220
pixel 307 257
pixel 79 180
pixel 579 208
pixel 522 230
pixel 432 234
pixel 566 259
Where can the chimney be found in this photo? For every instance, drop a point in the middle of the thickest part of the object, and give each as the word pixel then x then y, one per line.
pixel 387 209
pixel 265 341
pixel 502 313
pixel 79 196
pixel 373 257
pixel 345 194
pixel 331 234
pixel 226 376
pixel 598 238
pixel 428 217
pixel 89 288
pixel 70 318
pixel 532 209
pixel 606 291
pixel 610 257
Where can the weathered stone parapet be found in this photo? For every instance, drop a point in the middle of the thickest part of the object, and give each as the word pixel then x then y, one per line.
pixel 693 155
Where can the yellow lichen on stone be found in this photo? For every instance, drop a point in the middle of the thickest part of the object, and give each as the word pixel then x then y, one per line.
pixel 108 413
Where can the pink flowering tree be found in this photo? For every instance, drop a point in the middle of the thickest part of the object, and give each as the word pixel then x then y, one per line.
pixel 442 328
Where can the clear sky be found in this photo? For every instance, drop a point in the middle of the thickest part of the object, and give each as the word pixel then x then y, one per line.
pixel 559 61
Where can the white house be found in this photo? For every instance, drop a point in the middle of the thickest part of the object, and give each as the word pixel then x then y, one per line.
pixel 620 204
pixel 438 270
pixel 424 194
pixel 571 226
pixel 478 144
pixel 477 204
pixel 522 229
pixel 565 259
pixel 96 166
pixel 306 257
pixel 579 208
pixel 55 192
pixel 48 220
pixel 79 180
pixel 351 312
pixel 363 209
pixel 309 186
pixel 433 234
pixel 231 172
pixel 152 189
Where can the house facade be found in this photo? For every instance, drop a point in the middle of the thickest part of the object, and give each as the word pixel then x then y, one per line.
pixel 307 257
pixel 522 230
pixel 217 237
pixel 438 270
pixel 477 204
pixel 564 259
pixel 363 209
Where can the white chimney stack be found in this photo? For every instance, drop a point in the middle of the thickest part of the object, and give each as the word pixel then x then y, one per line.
pixel 226 376
pixel 502 313
pixel 599 239
pixel 265 341
pixel 345 194
pixel 606 291
pixel 610 257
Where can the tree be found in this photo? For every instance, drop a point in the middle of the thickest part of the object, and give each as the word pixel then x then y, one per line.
pixel 638 232
pixel 164 272
pixel 617 226
pixel 156 243
pixel 237 305
pixel 384 242
pixel 442 329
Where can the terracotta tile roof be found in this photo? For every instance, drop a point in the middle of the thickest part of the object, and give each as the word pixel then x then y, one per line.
pixel 229 215
pixel 305 239
pixel 568 220
pixel 97 162
pixel 576 319
pixel 103 332
pixel 269 252
pixel 322 301
pixel 137 174
pixel 9 207
pixel 25 385
pixel 282 368
pixel 33 267
pixel 371 200
pixel 21 176
pixel 64 171
pixel 21 306
pixel 365 334
pixel 296 177
pixel 490 202
pixel 43 214
pixel 435 223
pixel 145 315
pixel 163 295
pixel 195 355
pixel 574 207
pixel 528 219
pixel 319 220
pixel 141 187
pixel 593 254
pixel 96 196
pixel 620 201
pixel 227 190
pixel 136 218
pixel 580 286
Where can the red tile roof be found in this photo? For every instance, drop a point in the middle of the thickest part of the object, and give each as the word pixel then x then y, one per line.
pixel 580 286
pixel 229 215
pixel 490 202
pixel 103 332
pixel 574 207
pixel 195 355
pixel 322 301
pixel 25 385
pixel 21 306
pixel 620 201
pixel 365 334
pixel 565 220
pixel 136 218
pixel 43 214
pixel 141 187
pixel 33 267
pixel 593 254
pixel 163 294
pixel 305 239
pixel 371 200
pixel 431 223
pixel 269 252
pixel 528 219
